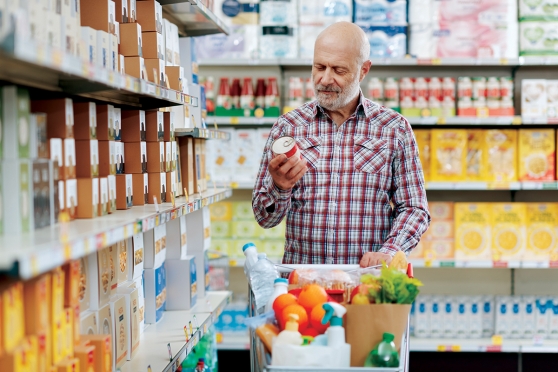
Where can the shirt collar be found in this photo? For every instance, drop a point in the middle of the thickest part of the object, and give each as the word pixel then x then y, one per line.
pixel 364 107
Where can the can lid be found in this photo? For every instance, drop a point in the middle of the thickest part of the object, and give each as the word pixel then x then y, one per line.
pixel 283 145
pixel 281 280
pixel 248 245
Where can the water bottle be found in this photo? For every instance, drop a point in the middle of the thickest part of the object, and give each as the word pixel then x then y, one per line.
pixel 251 254
pixel 262 277
pixel 280 286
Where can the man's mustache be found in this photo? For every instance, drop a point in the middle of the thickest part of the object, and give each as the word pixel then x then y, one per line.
pixel 327 88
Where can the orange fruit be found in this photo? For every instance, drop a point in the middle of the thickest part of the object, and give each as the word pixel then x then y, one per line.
pixel 309 331
pixel 312 295
pixel 316 316
pixel 281 302
pixel 298 310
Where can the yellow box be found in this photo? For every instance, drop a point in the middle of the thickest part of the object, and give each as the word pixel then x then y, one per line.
pixel 16 360
pixel 222 211
pixel 69 365
pixel 68 332
pixel 423 143
pixel 58 339
pixel 448 155
pixel 103 351
pixel 537 155
pixel 476 155
pixel 113 261
pixel 32 348
pixel 501 155
pixel 86 356
pixel 13 324
pixel 508 231
pixel 440 249
pixel 36 294
pixel 472 231
pixel 57 291
pixel 542 231
pixel 72 280
pixel 44 352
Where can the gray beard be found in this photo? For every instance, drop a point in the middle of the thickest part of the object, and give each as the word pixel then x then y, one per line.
pixel 343 98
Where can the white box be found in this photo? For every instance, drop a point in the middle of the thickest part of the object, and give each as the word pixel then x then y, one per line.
pixel 542 316
pixel 502 324
pixel 462 310
pixel 132 309
pixel 278 12
pixel 136 257
pixel 488 316
pixel 138 283
pixel 155 294
pixel 100 272
pixel 552 99
pixel 533 98
pixel 120 330
pixel 88 323
pixel 16 132
pixel 167 33
pixel 112 192
pixel 553 329
pixel 528 316
pixel 514 316
pixel 103 49
pixel 448 312
pixel 89 36
pixel 182 284
pixel 120 162
pixel 155 242
pixel 104 319
pixel 278 42
pixel 117 115
pixel 436 316
pixel 422 316
pixel 113 53
pixel 475 317
pixel 54 30
pixel 17 187
pixel 177 246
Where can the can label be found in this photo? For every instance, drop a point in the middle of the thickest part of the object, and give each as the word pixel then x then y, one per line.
pixel 284 145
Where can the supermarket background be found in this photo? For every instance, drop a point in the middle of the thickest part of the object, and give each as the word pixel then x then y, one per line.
pixel 174 100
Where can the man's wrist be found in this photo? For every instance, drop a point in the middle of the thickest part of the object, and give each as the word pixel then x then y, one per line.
pixel 389 249
pixel 279 193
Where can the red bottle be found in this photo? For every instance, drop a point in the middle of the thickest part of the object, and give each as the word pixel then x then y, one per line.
pixel 235 93
pixel 260 93
pixel 272 94
pixel 224 97
pixel 247 97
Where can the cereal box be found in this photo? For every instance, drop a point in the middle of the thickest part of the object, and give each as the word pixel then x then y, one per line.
pixel 508 231
pixel 438 242
pixel 501 155
pixel 472 231
pixel 537 151
pixel 476 155
pixel 448 154
pixel 542 231
pixel 423 142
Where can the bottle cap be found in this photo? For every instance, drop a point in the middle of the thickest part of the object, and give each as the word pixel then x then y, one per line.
pixel 262 256
pixel 292 324
pixel 388 337
pixel 248 245
pixel 281 280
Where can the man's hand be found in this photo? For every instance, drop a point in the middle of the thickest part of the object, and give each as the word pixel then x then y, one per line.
pixel 374 258
pixel 286 172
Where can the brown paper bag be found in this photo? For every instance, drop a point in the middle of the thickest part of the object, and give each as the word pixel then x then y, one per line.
pixel 366 324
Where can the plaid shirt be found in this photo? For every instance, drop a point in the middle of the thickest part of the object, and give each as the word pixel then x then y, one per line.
pixel 341 208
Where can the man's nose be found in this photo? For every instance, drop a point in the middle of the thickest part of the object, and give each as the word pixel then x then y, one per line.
pixel 327 78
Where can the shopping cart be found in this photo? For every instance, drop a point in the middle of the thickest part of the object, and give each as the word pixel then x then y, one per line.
pixel 260 359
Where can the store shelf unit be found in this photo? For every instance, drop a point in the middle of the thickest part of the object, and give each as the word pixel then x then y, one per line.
pixel 193 18
pixel 202 133
pixel 35 253
pixel 50 70
pixel 153 350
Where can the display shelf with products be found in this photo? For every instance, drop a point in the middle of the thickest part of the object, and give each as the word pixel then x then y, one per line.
pixel 35 253
pixel 202 133
pixel 193 18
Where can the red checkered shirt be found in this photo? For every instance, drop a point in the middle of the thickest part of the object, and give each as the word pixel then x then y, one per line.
pixel 342 207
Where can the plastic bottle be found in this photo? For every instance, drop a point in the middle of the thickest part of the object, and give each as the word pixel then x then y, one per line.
pixel 260 93
pixel 261 278
pixel 247 101
pixel 224 98
pixel 280 286
pixel 290 335
pixel 383 355
pixel 336 333
pixel 235 93
pixel 251 254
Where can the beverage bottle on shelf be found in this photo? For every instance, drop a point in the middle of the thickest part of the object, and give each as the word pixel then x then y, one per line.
pixel 260 93
pixel 210 94
pixel 295 92
pixel 224 97
pixel 247 97
pixel 376 90
pixel 272 93
pixel 261 279
pixel 251 254
pixel 235 93
pixel 280 286
pixel 309 90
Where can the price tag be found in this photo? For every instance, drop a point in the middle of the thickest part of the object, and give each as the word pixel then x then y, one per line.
pixel 234 120
pixel 482 112
pixel 232 263
pixel 57 58
pixel 538 340
pixel 497 340
pixel 504 61
pixel 441 120
pixel 516 120
pixel 34 266
pixel 436 61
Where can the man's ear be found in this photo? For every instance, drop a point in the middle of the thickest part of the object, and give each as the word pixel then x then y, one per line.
pixel 365 68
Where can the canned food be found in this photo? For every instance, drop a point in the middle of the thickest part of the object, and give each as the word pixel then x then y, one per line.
pixel 285 145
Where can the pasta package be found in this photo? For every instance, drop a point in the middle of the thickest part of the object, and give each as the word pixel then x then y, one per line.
pixel 476 155
pixel 537 154
pixel 508 231
pixel 542 231
pixel 423 143
pixel 439 239
pixel 472 231
pixel 448 154
pixel 501 159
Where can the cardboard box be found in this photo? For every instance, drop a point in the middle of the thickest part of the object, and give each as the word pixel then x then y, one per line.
pixel 84 284
pixel 133 126
pixel 107 158
pixel 71 194
pixel 175 75
pixel 112 193
pixel 103 48
pixel 155 243
pixel 180 272
pixel 476 155
pixel 136 157
pixel 86 357
pixel 135 66
pixel 88 197
pixel 69 158
pixel 177 242
pixel 124 191
pixel 96 14
pixel 155 126
pixel 135 264
pixel 131 40
pixel 537 155
pixel 100 271
pixel 103 197
pixel 56 154
pixel 133 10
pixel 473 237
pixel 508 231
pixel 171 186
pixel 186 145
pixel 60 116
pixel 120 330
pixel 174 156
pixel 155 70
pixel 153 45
pixel 138 283
pixel 105 122
pixel 168 118
pixel 87 158
pixel 117 124
pixel 121 262
pixel 501 147
pixel 89 37
pixel 542 235
pixel 168 156
pixel 448 155
pixel 122 11
pixel 156 157
pixel 103 351
pixel 141 187
pixel 38 142
pixel 155 294
pixel 120 158
pixel 72 283
pixel 85 115
pixel 150 15
pixel 37 297
pixel 132 309
pixel 16 131
pixel 158 187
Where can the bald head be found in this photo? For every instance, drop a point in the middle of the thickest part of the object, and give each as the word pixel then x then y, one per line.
pixel 344 38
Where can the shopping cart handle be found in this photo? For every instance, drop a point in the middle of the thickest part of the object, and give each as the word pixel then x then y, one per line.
pixel 288 268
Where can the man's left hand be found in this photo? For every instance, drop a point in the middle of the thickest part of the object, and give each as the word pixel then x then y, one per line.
pixel 374 258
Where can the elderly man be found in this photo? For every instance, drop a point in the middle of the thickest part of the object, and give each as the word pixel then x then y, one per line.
pixel 356 195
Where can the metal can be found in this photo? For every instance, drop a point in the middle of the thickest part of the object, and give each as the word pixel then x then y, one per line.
pixel 285 145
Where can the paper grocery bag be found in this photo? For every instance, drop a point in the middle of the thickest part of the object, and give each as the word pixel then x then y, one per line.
pixel 366 324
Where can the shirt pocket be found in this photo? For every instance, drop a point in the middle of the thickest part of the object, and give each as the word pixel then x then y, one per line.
pixel 310 148
pixel 371 155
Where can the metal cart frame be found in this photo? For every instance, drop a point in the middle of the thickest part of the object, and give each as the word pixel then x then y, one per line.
pixel 260 360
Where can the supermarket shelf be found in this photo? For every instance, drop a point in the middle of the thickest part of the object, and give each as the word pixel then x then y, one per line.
pixel 153 349
pixel 240 120
pixel 50 70
pixel 193 18
pixel 230 341
pixel 34 253
pixel 202 133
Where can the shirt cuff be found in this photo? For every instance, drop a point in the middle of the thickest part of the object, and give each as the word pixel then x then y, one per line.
pixel 279 194
pixel 389 249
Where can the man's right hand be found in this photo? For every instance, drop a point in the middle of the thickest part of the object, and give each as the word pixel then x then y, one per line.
pixel 286 172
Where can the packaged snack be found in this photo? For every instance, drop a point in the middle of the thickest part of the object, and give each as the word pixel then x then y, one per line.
pixel 423 143
pixel 537 151
pixel 508 231
pixel 542 234
pixel 448 154
pixel 501 155
pixel 476 154
pixel 472 231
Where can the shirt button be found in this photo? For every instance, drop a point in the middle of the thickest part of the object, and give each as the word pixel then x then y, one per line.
pixel 329 260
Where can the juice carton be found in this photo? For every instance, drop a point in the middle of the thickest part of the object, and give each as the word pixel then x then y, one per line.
pixel 462 316
pixel 528 316
pixel 537 154
pixel 448 155
pixel 436 316
pixel 501 155
pixel 542 234
pixel 553 315
pixel 448 317
pixel 476 155
pixel 475 307
pixel 487 316
pixel 423 309
pixel 542 315
pixel 423 143
pixel 503 323
pixel 472 231
pixel 515 327
pixel 508 231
